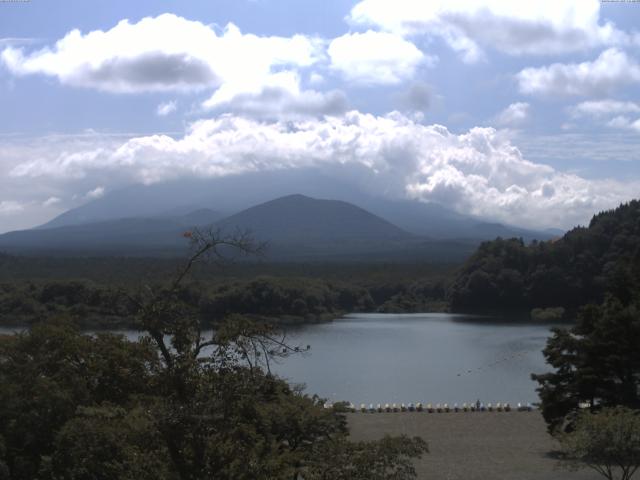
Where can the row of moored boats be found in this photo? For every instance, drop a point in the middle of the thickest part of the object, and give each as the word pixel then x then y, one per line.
pixel 437 408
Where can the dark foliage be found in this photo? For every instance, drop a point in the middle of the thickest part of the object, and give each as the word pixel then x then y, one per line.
pixel 280 293
pixel 176 404
pixel 96 306
pixel 596 362
pixel 575 270
pixel 49 372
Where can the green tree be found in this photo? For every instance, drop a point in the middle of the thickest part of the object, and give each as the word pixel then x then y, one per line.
pixel 104 443
pixel 47 373
pixel 596 362
pixel 579 268
pixel 174 405
pixel 387 459
pixel 223 414
pixel 607 441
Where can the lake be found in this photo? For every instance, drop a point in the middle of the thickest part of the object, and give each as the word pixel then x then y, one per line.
pixel 428 358
pixel 431 358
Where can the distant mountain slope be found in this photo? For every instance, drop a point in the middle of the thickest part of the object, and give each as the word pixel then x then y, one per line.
pixel 576 269
pixel 125 236
pixel 229 195
pixel 298 219
pixel 202 216
pixel 122 236
pixel 437 222
pixel 296 227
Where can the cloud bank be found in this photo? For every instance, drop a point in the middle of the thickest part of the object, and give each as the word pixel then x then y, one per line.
pixel 479 172
pixel 165 53
pixel 375 57
pixel 169 53
pixel 516 28
pixel 276 102
pixel 612 69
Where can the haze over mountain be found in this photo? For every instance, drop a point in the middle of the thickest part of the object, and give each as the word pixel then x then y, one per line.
pixel 231 194
pixel 296 227
pixel 372 93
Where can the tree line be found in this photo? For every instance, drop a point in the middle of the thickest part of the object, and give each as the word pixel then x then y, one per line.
pixel 283 299
pixel 580 268
pixel 591 398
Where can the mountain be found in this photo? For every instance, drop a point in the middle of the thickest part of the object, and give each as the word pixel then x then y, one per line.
pixel 296 227
pixel 232 194
pixel 298 219
pixel 227 195
pixel 199 217
pixel 131 236
pixel 300 227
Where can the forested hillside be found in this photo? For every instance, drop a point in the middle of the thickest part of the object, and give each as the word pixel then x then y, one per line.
pixel 277 300
pixel 577 269
pixel 110 306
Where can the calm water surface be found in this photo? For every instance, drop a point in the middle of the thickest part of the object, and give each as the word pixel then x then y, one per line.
pixel 379 358
pixel 431 358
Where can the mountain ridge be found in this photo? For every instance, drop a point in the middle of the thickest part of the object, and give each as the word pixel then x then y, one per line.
pixel 296 226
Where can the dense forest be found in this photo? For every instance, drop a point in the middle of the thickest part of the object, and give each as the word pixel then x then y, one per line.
pixel 577 269
pixel 79 406
pixel 277 299
pixel 552 279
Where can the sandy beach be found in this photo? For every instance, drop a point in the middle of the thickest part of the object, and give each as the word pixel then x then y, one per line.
pixel 473 446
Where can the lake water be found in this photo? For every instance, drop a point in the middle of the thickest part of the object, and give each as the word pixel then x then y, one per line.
pixel 429 358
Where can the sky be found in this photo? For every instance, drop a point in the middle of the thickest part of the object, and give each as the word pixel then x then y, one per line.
pixel 522 112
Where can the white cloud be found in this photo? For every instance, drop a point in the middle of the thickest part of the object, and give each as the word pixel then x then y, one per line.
pixel 542 27
pixel 316 79
pixel 609 113
pixel 10 207
pixel 281 97
pixel 514 114
pixel 603 108
pixel 279 103
pixel 479 172
pixel 375 57
pixel 612 69
pixel 14 41
pixel 166 108
pixel 51 201
pixel 166 53
pixel 97 192
pixel 624 123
